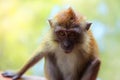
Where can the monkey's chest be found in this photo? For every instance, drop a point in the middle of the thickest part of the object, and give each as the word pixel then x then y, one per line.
pixel 69 64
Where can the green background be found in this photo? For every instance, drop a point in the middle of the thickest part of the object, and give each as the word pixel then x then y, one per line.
pixel 23 23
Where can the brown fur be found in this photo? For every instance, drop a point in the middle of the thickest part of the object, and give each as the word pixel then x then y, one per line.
pixel 68 18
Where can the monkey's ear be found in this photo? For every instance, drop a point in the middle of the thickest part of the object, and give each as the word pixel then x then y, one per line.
pixel 88 24
pixel 50 22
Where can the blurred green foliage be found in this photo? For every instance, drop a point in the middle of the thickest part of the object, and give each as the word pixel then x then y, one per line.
pixel 22 23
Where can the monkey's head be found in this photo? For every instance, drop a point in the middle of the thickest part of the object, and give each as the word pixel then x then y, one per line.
pixel 69 29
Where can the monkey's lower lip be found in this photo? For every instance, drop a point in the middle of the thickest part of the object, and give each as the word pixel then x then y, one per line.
pixel 68 51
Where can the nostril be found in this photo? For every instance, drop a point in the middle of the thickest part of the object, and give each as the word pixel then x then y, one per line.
pixel 68 47
pixel 67 44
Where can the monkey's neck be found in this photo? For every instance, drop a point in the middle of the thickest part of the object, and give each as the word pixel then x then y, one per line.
pixel 72 60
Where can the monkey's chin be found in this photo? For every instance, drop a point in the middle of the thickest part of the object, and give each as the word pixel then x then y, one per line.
pixel 68 51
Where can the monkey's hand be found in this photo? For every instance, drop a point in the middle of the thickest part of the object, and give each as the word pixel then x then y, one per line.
pixel 12 75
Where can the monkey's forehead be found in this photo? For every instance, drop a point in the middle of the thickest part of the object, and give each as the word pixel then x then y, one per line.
pixel 65 21
pixel 66 16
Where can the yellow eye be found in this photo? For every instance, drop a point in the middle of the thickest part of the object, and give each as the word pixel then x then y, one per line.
pixel 61 33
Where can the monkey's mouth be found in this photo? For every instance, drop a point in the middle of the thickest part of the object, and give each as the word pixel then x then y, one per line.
pixel 67 48
pixel 67 51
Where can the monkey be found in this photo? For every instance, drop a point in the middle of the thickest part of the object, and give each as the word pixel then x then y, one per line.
pixel 69 49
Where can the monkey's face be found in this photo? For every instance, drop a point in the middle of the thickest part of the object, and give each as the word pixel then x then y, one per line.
pixel 67 38
pixel 69 29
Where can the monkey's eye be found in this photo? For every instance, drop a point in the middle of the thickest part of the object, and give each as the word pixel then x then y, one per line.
pixel 61 33
pixel 72 35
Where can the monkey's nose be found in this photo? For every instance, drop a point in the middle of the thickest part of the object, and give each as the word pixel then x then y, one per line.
pixel 67 45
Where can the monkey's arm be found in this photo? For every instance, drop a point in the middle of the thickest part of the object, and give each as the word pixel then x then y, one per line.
pixel 28 65
pixel 92 71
